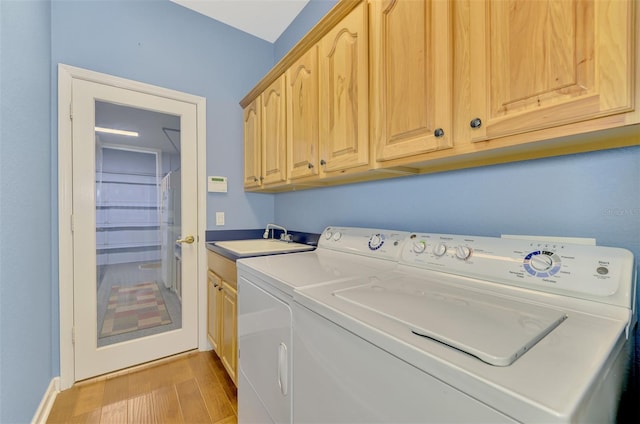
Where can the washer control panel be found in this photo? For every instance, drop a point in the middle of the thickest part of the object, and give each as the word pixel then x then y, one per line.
pixel 591 272
pixel 378 243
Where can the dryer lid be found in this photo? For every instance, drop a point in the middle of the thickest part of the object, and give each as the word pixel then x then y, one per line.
pixel 495 329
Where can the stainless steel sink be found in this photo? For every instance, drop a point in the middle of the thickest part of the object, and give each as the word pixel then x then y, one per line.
pixel 261 246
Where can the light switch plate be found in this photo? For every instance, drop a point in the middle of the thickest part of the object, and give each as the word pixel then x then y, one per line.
pixel 219 218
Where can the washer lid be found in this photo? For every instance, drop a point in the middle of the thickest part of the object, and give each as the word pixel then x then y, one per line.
pixel 495 329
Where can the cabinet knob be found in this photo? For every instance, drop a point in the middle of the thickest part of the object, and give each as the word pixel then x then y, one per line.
pixel 219 288
pixel 475 123
pixel 439 132
pixel 310 165
pixel 323 162
pixel 255 180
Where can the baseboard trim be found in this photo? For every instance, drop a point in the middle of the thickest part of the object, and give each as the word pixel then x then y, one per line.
pixel 47 402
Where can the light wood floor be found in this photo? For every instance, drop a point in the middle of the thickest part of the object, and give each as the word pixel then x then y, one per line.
pixel 192 388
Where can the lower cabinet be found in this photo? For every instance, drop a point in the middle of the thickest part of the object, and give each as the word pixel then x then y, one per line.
pixel 228 351
pixel 222 317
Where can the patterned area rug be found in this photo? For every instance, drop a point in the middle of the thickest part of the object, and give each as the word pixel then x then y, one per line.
pixel 133 308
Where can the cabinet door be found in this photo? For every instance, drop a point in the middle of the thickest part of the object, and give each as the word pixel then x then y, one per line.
pixel 539 64
pixel 252 145
pixel 214 297
pixel 411 64
pixel 344 112
pixel 274 133
pixel 302 116
pixel 229 334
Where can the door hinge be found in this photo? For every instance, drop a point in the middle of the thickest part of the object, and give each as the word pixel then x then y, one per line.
pixel 73 336
pixel 71 111
pixel 71 219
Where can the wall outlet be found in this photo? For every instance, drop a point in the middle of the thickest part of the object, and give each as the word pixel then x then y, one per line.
pixel 219 218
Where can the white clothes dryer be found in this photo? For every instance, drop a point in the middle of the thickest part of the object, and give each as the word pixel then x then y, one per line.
pixel 265 289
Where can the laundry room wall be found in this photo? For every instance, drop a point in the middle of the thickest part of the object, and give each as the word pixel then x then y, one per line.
pixel 165 44
pixel 25 208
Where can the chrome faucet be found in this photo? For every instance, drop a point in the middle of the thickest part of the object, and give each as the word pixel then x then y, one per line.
pixel 284 237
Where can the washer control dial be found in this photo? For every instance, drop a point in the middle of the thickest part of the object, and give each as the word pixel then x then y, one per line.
pixel 542 263
pixel 440 249
pixel 327 235
pixel 463 252
pixel 337 235
pixel 376 241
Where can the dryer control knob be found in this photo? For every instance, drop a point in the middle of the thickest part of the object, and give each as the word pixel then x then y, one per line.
pixel 419 246
pixel 328 235
pixel 440 249
pixel 463 252
pixel 337 235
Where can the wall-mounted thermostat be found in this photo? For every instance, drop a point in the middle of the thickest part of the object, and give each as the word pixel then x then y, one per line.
pixel 217 184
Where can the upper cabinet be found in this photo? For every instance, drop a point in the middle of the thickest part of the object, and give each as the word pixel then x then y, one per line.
pixel 382 88
pixel 252 145
pixel 302 116
pixel 539 64
pixel 265 138
pixel 344 94
pixel 274 142
pixel 411 77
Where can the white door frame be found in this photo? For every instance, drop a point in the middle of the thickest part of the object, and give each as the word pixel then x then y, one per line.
pixel 66 75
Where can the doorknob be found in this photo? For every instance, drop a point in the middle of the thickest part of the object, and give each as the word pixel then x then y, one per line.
pixel 187 239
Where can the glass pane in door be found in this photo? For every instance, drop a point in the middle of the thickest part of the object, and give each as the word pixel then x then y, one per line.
pixel 138 218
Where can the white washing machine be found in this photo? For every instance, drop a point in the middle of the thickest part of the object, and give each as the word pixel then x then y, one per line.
pixel 468 329
pixel 265 289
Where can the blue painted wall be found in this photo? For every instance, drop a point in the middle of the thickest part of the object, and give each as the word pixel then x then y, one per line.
pixel 156 42
pixel 161 43
pixel 25 213
pixel 306 19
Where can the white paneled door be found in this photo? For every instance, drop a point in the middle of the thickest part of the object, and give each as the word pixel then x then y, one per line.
pixel 134 229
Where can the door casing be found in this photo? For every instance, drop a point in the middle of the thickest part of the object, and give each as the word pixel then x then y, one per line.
pixel 66 75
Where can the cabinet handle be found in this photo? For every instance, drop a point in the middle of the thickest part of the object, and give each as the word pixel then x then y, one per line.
pixel 323 162
pixel 310 165
pixel 439 132
pixel 475 123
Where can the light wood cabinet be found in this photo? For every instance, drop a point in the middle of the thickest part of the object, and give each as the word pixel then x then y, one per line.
pixel 411 87
pixel 273 123
pixel 222 318
pixel 265 138
pixel 229 330
pixel 252 145
pixel 302 116
pixel 411 77
pixel 344 93
pixel 539 64
pixel 214 307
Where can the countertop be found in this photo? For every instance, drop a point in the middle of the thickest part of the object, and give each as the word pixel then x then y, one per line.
pixel 213 236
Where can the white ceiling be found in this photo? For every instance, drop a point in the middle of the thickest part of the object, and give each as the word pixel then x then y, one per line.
pixel 266 19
